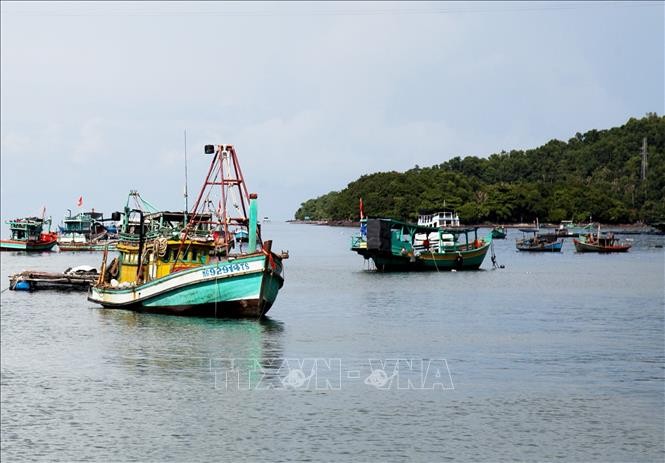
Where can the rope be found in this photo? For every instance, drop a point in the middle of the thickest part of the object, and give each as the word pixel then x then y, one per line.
pixel 495 265
pixel 434 259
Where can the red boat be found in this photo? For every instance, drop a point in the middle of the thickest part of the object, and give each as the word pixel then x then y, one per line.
pixel 600 243
pixel 27 235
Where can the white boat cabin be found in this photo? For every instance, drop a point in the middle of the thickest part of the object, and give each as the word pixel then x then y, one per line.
pixel 439 220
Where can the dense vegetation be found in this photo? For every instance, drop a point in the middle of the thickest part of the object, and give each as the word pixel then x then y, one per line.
pixel 596 174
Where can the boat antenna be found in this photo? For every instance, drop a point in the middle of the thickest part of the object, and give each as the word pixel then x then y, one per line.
pixel 186 205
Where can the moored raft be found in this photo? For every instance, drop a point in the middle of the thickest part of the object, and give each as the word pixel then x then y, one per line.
pixel 78 278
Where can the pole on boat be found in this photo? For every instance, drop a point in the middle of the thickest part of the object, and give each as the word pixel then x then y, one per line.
pixel 253 213
pixel 186 205
pixel 139 270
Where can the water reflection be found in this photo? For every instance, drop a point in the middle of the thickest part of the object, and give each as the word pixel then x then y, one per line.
pixel 166 345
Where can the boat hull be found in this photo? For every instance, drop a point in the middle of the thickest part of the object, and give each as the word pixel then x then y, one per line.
pixel 428 261
pixel 542 247
pixel 29 246
pixel 96 246
pixel 244 287
pixel 586 247
pixel 498 234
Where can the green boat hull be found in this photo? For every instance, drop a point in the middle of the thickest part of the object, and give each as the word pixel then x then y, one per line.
pixel 194 292
pixel 464 260
pixel 11 245
pixel 499 233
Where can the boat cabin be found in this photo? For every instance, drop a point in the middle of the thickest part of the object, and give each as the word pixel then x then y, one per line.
pixel 439 220
pixel 27 229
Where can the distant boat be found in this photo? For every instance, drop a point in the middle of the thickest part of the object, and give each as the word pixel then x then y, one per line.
pixel 534 229
pixel 266 219
pixel 28 234
pixel 540 243
pixel 499 233
pixel 603 243
pixel 86 232
pixel 399 246
pixel 170 264
pixel 443 219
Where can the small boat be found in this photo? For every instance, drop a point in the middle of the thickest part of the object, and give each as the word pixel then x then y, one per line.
pixel 499 233
pixel 540 243
pixel 603 243
pixel 28 234
pixel 567 229
pixel 86 231
pixel 399 246
pixel 187 264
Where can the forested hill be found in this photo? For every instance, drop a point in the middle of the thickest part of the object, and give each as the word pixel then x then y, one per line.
pixel 595 174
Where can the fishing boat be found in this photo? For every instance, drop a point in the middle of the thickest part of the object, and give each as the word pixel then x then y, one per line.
pixel 86 231
pixel 194 268
pixel 499 233
pixel 400 246
pixel 27 234
pixel 603 243
pixel 540 243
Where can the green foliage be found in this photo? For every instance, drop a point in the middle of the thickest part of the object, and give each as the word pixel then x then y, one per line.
pixel 595 174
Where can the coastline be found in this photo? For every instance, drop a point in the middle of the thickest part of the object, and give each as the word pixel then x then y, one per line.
pixel 635 228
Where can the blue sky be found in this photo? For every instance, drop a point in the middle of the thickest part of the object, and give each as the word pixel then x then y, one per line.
pixel 95 96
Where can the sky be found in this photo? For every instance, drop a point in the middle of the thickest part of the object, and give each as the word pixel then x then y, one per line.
pixel 95 98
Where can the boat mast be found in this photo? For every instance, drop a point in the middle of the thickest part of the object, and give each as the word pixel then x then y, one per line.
pixel 186 204
pixel 223 156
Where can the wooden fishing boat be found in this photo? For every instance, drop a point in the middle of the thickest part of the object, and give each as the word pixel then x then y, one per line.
pixel 603 243
pixel 27 234
pixel 399 246
pixel 540 243
pixel 194 268
pixel 499 233
pixel 86 231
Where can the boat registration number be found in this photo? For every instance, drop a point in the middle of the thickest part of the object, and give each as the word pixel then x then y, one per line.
pixel 225 269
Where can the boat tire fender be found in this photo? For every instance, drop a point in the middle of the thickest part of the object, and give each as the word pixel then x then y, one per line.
pixel 459 260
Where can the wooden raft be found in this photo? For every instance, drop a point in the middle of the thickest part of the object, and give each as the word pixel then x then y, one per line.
pixel 30 280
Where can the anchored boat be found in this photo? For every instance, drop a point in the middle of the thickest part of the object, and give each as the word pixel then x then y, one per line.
pixel 188 263
pixel 28 234
pixel 499 233
pixel 399 246
pixel 86 231
pixel 603 243
pixel 540 243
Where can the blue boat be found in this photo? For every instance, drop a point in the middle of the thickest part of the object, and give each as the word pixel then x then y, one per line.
pixel 540 243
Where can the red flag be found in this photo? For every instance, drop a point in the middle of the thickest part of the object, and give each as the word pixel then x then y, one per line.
pixel 80 201
pixel 362 210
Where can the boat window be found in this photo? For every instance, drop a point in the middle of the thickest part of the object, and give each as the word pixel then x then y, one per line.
pixel 167 255
pixel 194 255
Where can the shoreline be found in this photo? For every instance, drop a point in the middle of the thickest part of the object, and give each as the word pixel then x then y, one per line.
pixel 636 228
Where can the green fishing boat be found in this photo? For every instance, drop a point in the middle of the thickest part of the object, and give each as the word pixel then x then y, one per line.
pixel 27 234
pixel 400 246
pixel 499 233
pixel 188 263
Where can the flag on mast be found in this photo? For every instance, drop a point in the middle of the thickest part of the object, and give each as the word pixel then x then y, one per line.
pixel 79 203
pixel 362 210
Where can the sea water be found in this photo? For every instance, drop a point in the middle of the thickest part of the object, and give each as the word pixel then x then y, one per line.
pixel 555 357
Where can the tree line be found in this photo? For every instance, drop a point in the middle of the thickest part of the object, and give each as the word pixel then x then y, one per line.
pixel 597 175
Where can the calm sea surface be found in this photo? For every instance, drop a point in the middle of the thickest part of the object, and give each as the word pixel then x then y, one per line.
pixel 554 357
